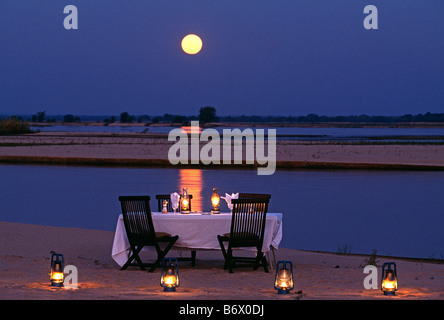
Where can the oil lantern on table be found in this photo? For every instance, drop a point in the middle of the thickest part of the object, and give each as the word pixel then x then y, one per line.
pixel 169 278
pixel 215 199
pixel 185 202
pixel 284 277
pixel 56 274
pixel 389 281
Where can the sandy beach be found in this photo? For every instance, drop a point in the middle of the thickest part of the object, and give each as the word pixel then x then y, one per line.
pixel 26 250
pixel 152 150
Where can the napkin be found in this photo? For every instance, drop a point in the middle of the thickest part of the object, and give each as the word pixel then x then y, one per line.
pixel 228 199
pixel 175 200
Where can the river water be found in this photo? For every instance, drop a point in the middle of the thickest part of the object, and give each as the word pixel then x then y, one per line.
pixel 398 213
pixel 288 133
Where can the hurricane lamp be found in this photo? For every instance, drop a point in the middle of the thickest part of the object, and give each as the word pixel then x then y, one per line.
pixel 169 278
pixel 389 281
pixel 56 274
pixel 185 202
pixel 284 277
pixel 215 200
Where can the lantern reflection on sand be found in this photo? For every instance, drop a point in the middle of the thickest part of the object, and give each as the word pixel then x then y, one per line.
pixel 192 180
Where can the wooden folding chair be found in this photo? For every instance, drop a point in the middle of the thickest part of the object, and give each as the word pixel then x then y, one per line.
pixel 247 230
pixel 261 196
pixel 140 231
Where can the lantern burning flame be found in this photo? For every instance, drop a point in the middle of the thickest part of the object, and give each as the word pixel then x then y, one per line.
pixel 284 277
pixel 215 199
pixel 169 278
pixel 185 202
pixel 56 274
pixel 389 281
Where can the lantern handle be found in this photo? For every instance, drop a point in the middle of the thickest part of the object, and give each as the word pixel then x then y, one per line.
pixel 57 257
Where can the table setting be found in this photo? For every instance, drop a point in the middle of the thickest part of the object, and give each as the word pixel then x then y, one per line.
pixel 197 230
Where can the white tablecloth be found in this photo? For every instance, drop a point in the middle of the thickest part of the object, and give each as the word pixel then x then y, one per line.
pixel 195 231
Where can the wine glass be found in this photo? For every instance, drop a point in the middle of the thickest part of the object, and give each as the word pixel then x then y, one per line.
pixel 175 201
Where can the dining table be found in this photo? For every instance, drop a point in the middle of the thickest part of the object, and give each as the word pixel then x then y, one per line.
pixel 196 231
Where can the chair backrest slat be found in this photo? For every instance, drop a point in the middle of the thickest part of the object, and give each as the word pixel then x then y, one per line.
pixel 248 222
pixel 137 218
pixel 254 196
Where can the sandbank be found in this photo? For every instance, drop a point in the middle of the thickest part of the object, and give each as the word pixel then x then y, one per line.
pixel 26 250
pixel 138 149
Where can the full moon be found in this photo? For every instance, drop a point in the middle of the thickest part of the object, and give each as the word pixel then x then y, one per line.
pixel 191 44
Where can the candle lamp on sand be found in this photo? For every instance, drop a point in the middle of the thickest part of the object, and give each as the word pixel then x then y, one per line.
pixel 169 278
pixel 284 277
pixel 389 282
pixel 56 273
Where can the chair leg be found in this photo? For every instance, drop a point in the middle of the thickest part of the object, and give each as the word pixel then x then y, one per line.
pixel 134 255
pixel 162 253
pixel 257 262
pixel 193 258
pixel 224 252
pixel 230 261
pixel 261 261
pixel 265 263
pixel 157 263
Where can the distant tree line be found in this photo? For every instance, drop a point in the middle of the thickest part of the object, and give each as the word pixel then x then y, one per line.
pixel 208 115
pixel 427 117
pixel 41 117
pixel 314 118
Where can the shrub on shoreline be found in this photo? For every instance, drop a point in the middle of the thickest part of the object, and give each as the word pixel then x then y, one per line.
pixel 13 126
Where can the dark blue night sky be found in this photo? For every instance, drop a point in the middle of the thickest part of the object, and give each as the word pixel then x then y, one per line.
pixel 271 57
